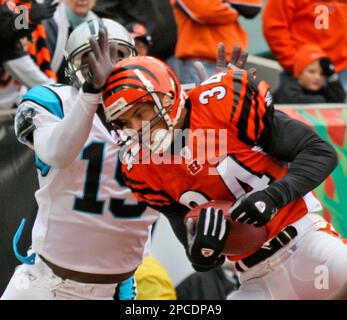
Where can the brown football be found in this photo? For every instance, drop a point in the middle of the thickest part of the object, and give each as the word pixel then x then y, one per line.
pixel 242 238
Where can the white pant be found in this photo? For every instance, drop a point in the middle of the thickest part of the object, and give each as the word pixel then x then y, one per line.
pixel 38 282
pixel 312 266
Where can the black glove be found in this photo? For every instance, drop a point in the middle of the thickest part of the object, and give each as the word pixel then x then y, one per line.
pixel 257 208
pixel 206 242
pixel 327 67
pixel 42 11
pixel 100 63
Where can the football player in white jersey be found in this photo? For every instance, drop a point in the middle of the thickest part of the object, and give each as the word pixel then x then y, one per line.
pixel 90 233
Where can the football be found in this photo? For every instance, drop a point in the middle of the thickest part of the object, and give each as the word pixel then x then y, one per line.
pixel 242 238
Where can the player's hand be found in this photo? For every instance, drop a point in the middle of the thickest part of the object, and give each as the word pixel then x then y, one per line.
pixel 257 208
pixel 238 61
pixel 100 62
pixel 42 11
pixel 206 240
pixel 238 58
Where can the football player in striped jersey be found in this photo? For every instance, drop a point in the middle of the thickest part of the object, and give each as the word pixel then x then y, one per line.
pixel 258 155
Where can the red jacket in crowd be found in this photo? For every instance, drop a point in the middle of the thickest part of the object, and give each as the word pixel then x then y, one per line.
pixel 202 24
pixel 288 24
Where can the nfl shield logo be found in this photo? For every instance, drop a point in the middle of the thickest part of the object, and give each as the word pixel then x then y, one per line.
pixel 194 167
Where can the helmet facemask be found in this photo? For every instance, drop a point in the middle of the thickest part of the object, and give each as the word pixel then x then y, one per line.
pixel 78 46
pixel 77 60
pixel 162 104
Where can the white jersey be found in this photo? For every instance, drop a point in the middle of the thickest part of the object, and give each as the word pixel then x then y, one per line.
pixel 87 221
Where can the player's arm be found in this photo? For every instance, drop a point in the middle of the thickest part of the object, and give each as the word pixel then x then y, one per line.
pixel 59 138
pixel 56 138
pixel 311 158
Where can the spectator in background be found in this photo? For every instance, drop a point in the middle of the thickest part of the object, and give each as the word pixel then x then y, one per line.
pixel 153 281
pixel 314 81
pixel 156 15
pixel 142 38
pixel 202 25
pixel 289 24
pixel 17 68
pixel 69 14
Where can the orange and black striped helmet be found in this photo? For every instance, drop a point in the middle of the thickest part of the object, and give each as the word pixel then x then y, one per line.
pixel 143 79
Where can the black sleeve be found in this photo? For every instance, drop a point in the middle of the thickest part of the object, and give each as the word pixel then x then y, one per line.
pixel 311 159
pixel 249 12
pixel 9 35
pixel 7 22
pixel 14 50
pixel 291 92
pixel 334 92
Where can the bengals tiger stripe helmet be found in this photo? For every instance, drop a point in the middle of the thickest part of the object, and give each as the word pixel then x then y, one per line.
pixel 144 79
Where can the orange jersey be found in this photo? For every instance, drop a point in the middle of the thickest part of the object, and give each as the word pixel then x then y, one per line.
pixel 201 25
pixel 289 24
pixel 229 163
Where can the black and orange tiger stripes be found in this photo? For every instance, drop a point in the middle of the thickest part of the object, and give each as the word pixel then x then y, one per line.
pixel 250 95
pixel 37 47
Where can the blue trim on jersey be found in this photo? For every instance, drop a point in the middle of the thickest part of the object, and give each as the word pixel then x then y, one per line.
pixel 127 289
pixel 46 98
pixel 44 168
pixel 26 260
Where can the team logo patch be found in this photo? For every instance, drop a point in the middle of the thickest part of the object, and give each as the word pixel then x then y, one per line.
pixel 194 167
pixel 261 206
pixel 207 252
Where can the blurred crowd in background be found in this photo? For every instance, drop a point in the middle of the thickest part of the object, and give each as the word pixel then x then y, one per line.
pixel 308 40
